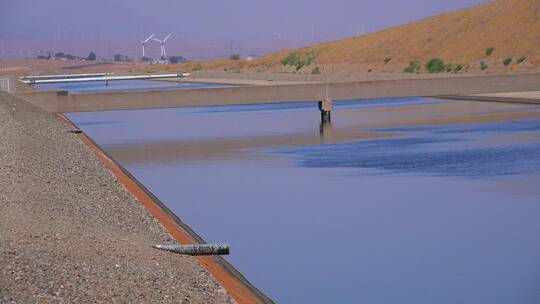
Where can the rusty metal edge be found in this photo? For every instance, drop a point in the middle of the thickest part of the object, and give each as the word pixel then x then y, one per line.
pixel 255 296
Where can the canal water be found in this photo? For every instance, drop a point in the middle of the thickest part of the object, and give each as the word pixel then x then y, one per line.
pixel 122 86
pixel 412 200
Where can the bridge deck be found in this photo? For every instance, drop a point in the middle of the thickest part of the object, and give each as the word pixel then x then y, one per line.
pixel 463 85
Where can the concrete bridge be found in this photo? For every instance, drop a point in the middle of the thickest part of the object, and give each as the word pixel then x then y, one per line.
pixel 325 93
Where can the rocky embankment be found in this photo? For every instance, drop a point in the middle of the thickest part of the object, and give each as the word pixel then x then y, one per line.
pixel 70 232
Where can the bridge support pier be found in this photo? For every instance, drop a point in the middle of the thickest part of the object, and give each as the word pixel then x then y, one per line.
pixel 325 107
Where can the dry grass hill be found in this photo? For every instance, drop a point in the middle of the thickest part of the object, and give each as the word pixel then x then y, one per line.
pixel 479 39
pixel 461 38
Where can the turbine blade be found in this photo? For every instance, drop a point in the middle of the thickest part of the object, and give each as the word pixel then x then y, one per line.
pixel 167 37
pixel 148 39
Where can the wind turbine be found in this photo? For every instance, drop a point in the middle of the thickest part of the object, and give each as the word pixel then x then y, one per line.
pixel 162 44
pixel 143 43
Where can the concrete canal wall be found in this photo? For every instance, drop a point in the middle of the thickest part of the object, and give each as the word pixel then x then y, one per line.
pixel 465 85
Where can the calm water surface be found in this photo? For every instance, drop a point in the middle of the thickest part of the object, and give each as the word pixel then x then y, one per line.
pixel 410 200
pixel 122 85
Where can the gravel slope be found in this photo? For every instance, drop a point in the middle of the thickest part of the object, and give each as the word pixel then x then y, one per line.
pixel 70 232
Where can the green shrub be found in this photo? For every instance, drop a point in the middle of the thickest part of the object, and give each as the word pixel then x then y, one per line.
pixel 309 57
pixel 387 60
pixel 521 59
pixel 198 67
pixel 435 65
pixel 315 71
pixel 300 64
pixel 483 65
pixel 458 68
pixel 506 61
pixel 413 66
pixel 235 57
pixel 449 67
pixel 489 51
pixel 290 59
pixel 299 60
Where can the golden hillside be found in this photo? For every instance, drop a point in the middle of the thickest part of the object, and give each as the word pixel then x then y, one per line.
pixel 511 27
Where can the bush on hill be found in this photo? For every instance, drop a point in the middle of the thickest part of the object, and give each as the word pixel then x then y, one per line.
pixel 458 68
pixel 435 65
pixel 316 71
pixel 198 67
pixel 413 66
pixel 506 61
pixel 521 59
pixel 299 60
pixel 489 51
pixel 483 65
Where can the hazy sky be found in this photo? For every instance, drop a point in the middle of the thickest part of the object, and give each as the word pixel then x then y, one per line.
pixel 234 25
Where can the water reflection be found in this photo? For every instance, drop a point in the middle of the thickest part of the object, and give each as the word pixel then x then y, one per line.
pixel 326 132
pixel 397 201
pixel 123 86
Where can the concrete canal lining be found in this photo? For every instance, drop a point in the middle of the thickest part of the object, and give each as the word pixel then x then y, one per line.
pixel 532 97
pixel 238 287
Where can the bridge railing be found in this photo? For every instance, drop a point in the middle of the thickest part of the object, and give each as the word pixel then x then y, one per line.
pixel 5 85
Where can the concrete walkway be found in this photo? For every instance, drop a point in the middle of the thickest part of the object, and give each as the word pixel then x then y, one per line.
pixel 532 97
pixel 239 82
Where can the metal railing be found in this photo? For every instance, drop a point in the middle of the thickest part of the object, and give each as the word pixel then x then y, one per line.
pixel 65 76
pixel 5 85
pixel 105 78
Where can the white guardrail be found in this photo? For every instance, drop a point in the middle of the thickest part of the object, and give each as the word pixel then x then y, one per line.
pixel 5 85
pixel 106 78
pixel 65 76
